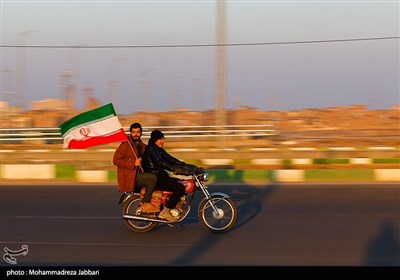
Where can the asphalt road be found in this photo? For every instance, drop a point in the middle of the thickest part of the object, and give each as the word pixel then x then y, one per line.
pixel 278 225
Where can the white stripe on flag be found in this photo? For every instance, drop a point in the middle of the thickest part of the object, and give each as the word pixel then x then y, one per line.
pixel 101 128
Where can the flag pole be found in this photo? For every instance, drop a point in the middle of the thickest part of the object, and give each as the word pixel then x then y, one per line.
pixel 130 145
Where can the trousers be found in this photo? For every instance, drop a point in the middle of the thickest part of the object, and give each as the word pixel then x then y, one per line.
pixel 166 183
pixel 149 181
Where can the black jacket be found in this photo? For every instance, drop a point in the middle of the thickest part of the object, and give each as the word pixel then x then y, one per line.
pixel 157 160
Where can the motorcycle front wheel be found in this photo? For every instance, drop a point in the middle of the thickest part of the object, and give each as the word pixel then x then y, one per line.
pixel 132 207
pixel 222 220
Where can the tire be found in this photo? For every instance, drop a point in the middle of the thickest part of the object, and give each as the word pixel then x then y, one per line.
pixel 132 207
pixel 218 223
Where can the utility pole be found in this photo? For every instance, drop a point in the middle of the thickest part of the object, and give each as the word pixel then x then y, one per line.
pixel 221 70
pixel 197 94
pixel 113 84
pixel 68 90
pixel 8 84
pixel 75 65
pixel 21 66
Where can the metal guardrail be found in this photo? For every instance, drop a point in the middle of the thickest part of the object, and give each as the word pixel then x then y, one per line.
pixel 53 135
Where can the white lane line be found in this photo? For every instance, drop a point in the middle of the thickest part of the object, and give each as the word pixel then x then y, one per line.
pixel 65 217
pixel 101 244
pixel 263 149
pixel 79 217
pixel 381 148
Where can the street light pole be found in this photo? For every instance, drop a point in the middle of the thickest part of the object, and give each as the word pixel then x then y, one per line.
pixel 146 90
pixel 174 89
pixel 21 66
pixel 8 84
pixel 114 82
pixel 221 72
pixel 75 66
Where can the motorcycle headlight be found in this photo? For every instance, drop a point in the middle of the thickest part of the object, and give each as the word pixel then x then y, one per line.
pixel 204 177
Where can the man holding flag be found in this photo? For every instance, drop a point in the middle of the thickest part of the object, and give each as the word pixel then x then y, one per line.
pixel 101 126
pixel 128 159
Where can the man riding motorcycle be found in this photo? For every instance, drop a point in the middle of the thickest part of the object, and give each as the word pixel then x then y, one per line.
pixel 158 161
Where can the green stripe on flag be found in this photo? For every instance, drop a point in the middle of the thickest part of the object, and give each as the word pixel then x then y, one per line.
pixel 94 115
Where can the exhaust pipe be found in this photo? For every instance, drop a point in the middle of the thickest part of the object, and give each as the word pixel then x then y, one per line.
pixel 132 217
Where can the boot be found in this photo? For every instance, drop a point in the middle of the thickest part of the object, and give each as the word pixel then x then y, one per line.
pixel 148 207
pixel 165 214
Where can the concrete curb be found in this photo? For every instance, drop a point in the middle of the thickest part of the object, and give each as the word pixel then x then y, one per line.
pixel 15 172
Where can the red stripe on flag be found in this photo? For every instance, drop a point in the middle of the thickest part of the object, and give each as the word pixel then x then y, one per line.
pixel 98 140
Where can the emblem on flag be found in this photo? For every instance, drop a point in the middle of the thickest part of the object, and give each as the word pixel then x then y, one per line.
pixel 92 128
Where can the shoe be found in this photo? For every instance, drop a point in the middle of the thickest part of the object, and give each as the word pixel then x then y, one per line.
pixel 175 213
pixel 165 214
pixel 148 207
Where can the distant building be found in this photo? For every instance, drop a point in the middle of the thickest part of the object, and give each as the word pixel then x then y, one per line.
pixel 50 104
pixel 7 110
pixel 91 102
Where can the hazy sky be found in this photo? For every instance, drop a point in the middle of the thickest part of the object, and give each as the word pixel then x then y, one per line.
pixel 156 77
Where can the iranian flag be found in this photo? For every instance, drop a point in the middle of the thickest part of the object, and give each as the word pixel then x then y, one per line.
pixel 92 128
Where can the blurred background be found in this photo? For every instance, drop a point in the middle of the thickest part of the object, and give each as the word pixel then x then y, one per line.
pixel 199 55
pixel 294 64
pixel 210 74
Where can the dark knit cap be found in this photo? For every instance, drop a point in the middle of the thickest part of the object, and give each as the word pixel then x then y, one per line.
pixel 156 134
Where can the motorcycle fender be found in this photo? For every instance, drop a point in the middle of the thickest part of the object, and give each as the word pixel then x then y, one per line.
pixel 219 194
pixel 124 197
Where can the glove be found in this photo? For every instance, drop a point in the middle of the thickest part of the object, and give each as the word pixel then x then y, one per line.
pixel 199 170
pixel 181 171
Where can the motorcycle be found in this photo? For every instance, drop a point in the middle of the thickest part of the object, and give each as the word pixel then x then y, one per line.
pixel 216 211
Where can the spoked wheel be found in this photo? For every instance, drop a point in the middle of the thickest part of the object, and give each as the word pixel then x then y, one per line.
pixel 132 207
pixel 222 220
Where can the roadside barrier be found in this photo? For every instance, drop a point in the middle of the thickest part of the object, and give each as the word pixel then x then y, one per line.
pixel 297 164
pixel 47 172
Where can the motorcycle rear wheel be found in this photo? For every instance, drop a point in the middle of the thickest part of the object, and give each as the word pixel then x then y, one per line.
pixel 132 207
pixel 222 221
